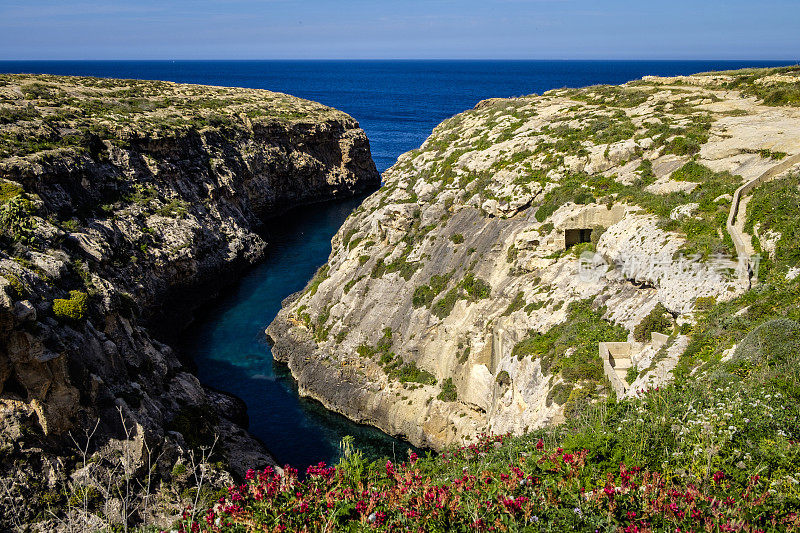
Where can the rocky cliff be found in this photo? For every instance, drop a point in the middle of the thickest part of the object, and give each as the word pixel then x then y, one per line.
pixel 472 291
pixel 124 204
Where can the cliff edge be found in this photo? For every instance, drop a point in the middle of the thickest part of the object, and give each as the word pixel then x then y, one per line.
pixel 124 204
pixel 472 292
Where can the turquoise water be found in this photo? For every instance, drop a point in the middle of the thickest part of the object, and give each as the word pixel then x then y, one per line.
pixel 229 346
pixel 397 103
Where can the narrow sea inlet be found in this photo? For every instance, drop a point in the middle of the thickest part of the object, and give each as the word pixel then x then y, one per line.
pixel 230 349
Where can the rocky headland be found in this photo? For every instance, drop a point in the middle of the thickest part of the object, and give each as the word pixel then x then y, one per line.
pixel 124 204
pixel 455 301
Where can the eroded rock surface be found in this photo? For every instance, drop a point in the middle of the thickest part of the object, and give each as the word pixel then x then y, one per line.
pixel 125 204
pixel 454 301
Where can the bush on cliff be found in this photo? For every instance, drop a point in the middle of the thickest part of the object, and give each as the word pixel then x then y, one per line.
pixel 657 321
pixel 449 393
pixel 72 309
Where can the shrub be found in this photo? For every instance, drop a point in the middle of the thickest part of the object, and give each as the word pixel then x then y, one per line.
pixel 72 309
pixel 448 393
pixel 582 330
pixel 197 425
pixel 516 304
pixel 773 343
pixel 444 305
pixel 424 294
pixel 657 321
pixel 9 190
pixel 503 379
pixel 320 276
pixel 559 394
pixel 511 254
pixel 385 343
pixel 631 375
pixel 457 238
pixel 411 373
pixel 773 207
pixel 476 288
pixel 16 219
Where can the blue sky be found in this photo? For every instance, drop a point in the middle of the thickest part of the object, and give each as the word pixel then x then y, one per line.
pixel 514 29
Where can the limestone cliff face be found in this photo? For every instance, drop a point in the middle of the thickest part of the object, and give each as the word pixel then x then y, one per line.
pixel 454 301
pixel 125 204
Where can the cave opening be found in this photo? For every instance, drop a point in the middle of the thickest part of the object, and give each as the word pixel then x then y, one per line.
pixel 576 236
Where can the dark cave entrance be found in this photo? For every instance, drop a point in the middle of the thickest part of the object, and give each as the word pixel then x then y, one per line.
pixel 576 236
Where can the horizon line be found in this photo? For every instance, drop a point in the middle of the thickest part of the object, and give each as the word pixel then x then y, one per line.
pixel 771 60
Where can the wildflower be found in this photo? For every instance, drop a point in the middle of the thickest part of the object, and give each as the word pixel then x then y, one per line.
pixel 540 445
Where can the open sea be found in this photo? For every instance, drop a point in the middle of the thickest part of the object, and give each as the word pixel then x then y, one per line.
pixel 397 103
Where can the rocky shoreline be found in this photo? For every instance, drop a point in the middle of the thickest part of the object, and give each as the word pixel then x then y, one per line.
pixel 453 302
pixel 125 205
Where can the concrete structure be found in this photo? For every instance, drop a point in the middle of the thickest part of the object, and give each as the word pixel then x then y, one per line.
pixel 578 227
pixel 617 360
pixel 616 357
pixel 575 236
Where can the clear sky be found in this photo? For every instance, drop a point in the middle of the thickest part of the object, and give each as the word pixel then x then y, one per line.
pixel 514 29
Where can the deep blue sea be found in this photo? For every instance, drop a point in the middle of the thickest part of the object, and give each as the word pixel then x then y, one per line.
pixel 397 103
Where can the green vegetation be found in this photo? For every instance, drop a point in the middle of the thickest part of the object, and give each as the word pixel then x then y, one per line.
pixel 475 288
pixel 8 191
pixel 72 309
pixel 449 393
pixel 77 113
pixel 410 373
pixel 457 238
pixel 583 329
pixel 470 288
pixel 321 275
pixel 516 304
pixel 611 96
pixel 400 265
pixel 425 294
pixel 382 347
pixel 656 321
pixel 775 93
pixel 197 424
pixel 16 219
pixel 773 207
pixel 726 322
pixel 559 394
pixel 392 364
pixel 701 230
pixel 444 305
pixel 503 378
pixel 700 455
